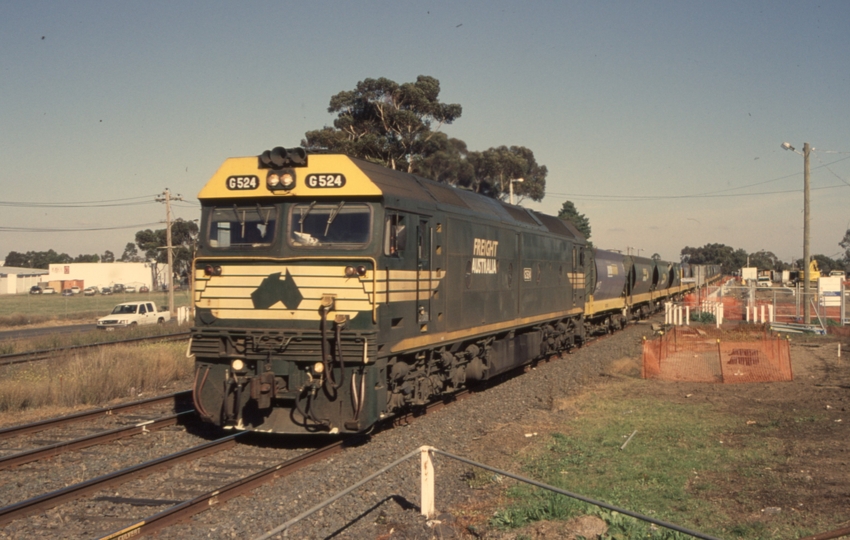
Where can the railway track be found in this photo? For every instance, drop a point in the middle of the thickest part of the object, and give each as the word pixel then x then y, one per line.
pixel 177 511
pixel 23 429
pixel 46 354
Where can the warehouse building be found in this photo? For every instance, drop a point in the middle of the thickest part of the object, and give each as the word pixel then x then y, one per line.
pixel 100 275
pixel 15 280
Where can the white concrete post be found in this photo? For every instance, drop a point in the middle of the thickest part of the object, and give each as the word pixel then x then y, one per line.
pixel 763 320
pixel 427 482
pixel 687 315
pixel 770 313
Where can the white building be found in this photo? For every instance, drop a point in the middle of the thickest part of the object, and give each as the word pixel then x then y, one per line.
pixel 19 280
pixel 108 274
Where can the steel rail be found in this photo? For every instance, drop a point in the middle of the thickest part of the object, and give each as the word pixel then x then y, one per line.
pixel 46 354
pixel 187 509
pixel 23 429
pixel 182 511
pixel 52 450
pixel 49 500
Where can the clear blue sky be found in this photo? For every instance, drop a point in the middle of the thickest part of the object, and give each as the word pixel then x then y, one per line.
pixel 634 107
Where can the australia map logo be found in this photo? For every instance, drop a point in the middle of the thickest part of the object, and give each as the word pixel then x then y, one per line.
pixel 276 289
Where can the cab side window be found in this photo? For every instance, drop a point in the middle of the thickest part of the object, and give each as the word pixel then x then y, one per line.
pixel 395 235
pixel 142 310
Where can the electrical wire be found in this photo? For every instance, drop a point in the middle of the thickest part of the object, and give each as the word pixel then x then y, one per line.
pixel 81 229
pixel 708 194
pixel 129 201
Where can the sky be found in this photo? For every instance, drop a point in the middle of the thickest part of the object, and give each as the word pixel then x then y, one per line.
pixel 661 120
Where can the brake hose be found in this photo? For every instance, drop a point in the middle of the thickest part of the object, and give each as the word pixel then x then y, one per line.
pixel 325 354
pixel 338 337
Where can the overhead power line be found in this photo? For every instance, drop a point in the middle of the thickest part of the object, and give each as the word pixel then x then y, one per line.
pixel 80 229
pixel 130 201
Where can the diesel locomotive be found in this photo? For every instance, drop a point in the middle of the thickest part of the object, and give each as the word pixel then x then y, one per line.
pixel 331 292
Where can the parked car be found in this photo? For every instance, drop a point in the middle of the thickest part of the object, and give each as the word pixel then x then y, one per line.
pixel 35 289
pixel 76 290
pixel 129 289
pixel 90 291
pixel 144 288
pixel 132 314
pixel 48 290
pixel 106 290
pixel 118 288
pixel 67 292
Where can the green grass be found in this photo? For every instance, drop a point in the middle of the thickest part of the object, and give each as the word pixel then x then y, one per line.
pixel 58 340
pixel 24 309
pixel 674 469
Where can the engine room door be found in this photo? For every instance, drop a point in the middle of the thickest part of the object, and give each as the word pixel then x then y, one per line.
pixel 424 269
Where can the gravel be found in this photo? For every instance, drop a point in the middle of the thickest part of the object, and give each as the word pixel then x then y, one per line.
pixel 387 507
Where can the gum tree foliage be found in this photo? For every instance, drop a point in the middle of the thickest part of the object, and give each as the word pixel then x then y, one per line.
pixel 729 258
pixel 184 235
pixel 767 260
pixel 385 122
pixel 845 243
pixel 444 160
pixel 825 264
pixel 570 213
pixel 496 167
pixel 131 253
pixel 36 259
pixel 398 126
pixel 107 257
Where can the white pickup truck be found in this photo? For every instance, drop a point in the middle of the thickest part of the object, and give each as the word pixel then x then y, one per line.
pixel 132 314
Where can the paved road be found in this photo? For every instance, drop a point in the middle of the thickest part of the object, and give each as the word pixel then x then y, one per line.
pixel 47 330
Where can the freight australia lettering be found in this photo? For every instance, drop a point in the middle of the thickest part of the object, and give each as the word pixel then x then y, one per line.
pixel 484 256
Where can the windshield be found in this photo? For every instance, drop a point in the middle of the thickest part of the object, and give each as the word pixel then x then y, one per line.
pixel 124 309
pixel 338 224
pixel 242 226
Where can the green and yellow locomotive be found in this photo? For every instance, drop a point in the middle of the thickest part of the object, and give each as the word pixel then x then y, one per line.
pixel 331 292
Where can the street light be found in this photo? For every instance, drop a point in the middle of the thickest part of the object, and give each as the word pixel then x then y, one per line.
pixel 518 180
pixel 807 317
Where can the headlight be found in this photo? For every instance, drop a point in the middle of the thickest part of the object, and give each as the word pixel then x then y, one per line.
pixel 237 365
pixel 318 367
pixel 277 180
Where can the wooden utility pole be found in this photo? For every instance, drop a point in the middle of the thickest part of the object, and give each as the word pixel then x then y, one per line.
pixel 807 316
pixel 166 198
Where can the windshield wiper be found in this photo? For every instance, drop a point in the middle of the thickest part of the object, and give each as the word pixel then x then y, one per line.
pixel 332 215
pixel 304 215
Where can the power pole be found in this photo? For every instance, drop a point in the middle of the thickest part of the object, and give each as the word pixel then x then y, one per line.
pixel 807 317
pixel 166 198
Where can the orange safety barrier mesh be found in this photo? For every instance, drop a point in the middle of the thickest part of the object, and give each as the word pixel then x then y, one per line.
pixel 710 355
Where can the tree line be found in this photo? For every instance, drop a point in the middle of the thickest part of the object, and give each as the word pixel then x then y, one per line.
pixel 731 260
pixel 149 246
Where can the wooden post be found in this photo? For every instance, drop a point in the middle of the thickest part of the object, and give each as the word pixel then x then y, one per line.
pixel 427 481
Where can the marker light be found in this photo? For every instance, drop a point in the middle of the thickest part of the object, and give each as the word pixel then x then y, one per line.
pixel 237 365
pixel 354 271
pixel 318 367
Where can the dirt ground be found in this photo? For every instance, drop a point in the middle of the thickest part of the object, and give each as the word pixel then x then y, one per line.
pixel 812 414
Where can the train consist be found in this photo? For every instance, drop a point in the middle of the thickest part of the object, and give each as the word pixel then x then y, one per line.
pixel 331 292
